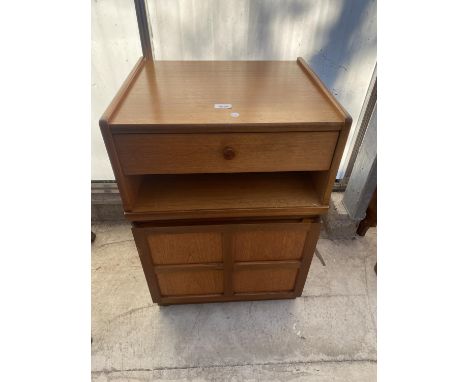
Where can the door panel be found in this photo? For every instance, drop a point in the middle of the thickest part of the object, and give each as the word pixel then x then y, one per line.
pixel 273 244
pixel 232 260
pixel 264 280
pixel 185 248
pixel 184 283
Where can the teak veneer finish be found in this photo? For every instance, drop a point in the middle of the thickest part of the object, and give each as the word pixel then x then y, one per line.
pixel 164 197
pixel 224 208
pixel 262 92
pixel 225 153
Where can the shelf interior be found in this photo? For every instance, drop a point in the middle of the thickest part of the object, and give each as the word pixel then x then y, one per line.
pixel 288 192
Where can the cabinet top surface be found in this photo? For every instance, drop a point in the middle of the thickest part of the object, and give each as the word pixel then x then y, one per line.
pixel 260 92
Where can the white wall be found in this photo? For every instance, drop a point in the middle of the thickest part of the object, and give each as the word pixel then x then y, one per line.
pixel 336 37
pixel 115 48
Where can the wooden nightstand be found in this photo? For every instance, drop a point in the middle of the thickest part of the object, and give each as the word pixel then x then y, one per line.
pixel 224 169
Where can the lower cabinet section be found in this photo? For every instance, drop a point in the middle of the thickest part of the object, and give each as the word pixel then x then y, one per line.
pixel 249 260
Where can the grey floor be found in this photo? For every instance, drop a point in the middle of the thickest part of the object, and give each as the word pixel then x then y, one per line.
pixel 329 334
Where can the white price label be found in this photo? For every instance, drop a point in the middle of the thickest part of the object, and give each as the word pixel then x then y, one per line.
pixel 222 106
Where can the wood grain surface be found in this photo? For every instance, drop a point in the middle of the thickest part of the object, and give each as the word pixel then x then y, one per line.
pixel 226 195
pixel 190 282
pixel 185 248
pixel 225 207
pixel 264 280
pixel 261 92
pixel 226 153
pixel 261 245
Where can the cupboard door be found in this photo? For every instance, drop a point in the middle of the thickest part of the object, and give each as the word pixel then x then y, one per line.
pixel 226 261
pixel 181 260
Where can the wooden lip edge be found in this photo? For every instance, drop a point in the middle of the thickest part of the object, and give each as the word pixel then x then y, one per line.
pixel 145 216
pixel 236 266
pixel 116 101
pixel 123 90
pixel 149 172
pixel 187 267
pixel 267 264
pixel 226 128
pixel 198 225
pixel 348 120
pixel 244 296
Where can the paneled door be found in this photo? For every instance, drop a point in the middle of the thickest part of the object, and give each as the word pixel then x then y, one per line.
pixel 228 261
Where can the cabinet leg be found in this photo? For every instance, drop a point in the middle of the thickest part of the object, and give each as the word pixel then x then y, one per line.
pixel 364 225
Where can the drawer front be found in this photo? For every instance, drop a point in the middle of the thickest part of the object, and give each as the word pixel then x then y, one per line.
pixel 231 152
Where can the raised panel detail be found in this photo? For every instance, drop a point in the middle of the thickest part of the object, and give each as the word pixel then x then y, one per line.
pixel 226 260
pixel 264 280
pixel 268 245
pixel 185 248
pixel 190 282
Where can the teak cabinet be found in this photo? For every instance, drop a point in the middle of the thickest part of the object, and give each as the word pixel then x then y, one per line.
pixel 224 168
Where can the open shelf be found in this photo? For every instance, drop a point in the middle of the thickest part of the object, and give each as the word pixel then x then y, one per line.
pixel 226 195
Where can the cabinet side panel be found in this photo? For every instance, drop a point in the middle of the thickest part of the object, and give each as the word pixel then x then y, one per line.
pixel 324 180
pixel 147 263
pixel 128 185
pixel 308 253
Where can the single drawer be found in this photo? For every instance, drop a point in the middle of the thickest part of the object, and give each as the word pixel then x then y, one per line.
pixel 231 152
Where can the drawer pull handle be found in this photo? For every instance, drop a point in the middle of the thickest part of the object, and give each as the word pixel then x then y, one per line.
pixel 229 153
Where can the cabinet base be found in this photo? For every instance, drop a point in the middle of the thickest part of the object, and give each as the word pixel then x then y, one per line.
pixel 165 301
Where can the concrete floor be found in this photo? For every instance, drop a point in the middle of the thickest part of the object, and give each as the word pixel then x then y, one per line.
pixel 329 334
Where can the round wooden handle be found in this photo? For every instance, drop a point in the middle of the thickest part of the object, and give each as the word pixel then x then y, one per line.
pixel 228 153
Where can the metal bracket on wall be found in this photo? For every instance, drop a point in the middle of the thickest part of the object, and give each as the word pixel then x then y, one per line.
pixel 363 179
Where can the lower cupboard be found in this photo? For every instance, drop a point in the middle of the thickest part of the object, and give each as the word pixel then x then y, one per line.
pixel 228 261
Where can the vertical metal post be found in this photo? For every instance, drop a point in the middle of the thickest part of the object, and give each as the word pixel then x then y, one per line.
pixel 363 179
pixel 144 28
pixel 361 127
